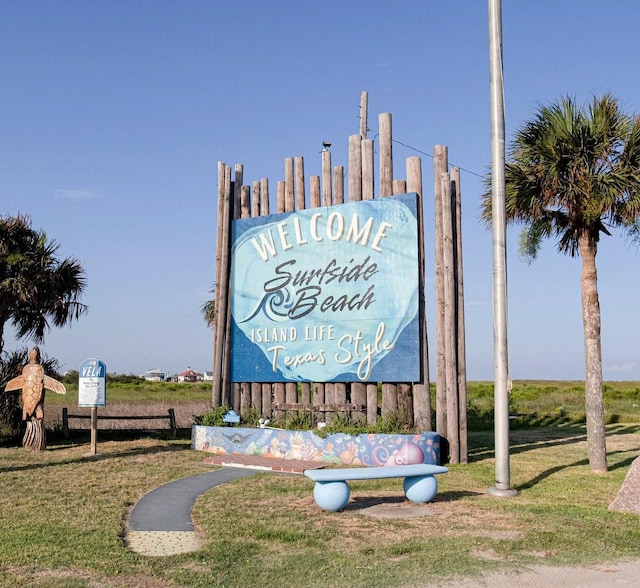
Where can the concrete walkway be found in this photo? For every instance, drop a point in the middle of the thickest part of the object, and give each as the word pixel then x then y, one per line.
pixel 160 523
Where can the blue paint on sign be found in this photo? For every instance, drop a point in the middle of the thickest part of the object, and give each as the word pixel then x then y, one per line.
pixel 327 294
pixel 93 368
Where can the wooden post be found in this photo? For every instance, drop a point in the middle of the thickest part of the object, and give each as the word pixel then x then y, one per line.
pixel 389 399
pixel 94 430
pixel 279 390
pixel 221 359
pixel 368 191
pixel 255 199
pixel 451 369
pixel 421 392
pixel 299 183
pixel 326 176
pixel 355 168
pixel 399 186
pixel 245 387
pixel 338 185
pixel 220 249
pixel 337 393
pixel 315 200
pixel 291 388
pixel 386 154
pixel 267 389
pixel 264 196
pixel 256 388
pixel 358 390
pixel 235 389
pixel 305 388
pixel 289 186
pixel 173 424
pixel 364 113
pixel 460 329
pixel 368 194
pixel 440 166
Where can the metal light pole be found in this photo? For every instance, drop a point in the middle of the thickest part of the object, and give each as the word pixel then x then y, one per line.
pixel 498 215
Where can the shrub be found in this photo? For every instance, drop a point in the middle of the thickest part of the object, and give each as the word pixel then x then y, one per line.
pixel 212 418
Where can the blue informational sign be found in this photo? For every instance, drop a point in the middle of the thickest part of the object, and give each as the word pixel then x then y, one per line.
pixel 92 383
pixel 327 294
pixel 231 417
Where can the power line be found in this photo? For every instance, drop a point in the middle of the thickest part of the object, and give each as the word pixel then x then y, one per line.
pixel 431 156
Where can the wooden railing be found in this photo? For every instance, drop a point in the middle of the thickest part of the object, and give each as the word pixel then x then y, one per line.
pixel 170 417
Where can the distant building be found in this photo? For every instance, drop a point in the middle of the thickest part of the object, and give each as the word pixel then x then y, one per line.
pixel 208 376
pixel 190 375
pixel 155 375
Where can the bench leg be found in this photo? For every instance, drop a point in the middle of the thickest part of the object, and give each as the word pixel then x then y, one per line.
pixel 420 488
pixel 331 495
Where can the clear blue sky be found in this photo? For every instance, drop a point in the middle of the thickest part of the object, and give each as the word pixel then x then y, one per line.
pixel 113 116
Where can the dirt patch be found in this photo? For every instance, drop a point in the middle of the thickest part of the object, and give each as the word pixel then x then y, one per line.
pixel 137 580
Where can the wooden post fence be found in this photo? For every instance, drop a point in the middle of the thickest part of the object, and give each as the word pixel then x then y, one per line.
pixel 413 400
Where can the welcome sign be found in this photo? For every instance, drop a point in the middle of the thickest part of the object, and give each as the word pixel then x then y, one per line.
pixel 327 294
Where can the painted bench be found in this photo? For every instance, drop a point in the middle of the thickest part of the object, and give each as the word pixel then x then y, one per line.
pixel 331 491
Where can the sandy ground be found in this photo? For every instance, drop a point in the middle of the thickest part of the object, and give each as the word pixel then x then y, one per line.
pixel 600 576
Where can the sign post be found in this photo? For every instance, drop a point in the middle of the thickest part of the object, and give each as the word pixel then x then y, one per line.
pixel 92 393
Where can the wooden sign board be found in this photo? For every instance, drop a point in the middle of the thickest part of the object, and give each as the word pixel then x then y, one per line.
pixel 327 294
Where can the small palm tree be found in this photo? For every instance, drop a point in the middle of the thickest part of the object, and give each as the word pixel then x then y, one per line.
pixel 573 174
pixel 37 289
pixel 208 309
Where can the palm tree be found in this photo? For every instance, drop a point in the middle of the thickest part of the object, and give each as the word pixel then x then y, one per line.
pixel 208 309
pixel 573 173
pixel 37 289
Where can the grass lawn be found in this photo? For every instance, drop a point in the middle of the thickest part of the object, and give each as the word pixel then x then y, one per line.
pixel 63 516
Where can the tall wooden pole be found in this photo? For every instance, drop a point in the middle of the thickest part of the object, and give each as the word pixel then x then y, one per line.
pixel 451 369
pixel 358 390
pixel 440 166
pixel 498 216
pixel 217 324
pixel 461 338
pixel 291 388
pixel 221 360
pixel 421 394
pixel 267 389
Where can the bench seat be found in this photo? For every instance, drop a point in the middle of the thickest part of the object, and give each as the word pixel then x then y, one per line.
pixel 331 491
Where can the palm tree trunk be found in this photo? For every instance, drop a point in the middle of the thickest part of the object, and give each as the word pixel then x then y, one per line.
pixel 594 402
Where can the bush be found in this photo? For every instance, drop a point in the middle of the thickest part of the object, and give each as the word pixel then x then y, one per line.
pixel 212 418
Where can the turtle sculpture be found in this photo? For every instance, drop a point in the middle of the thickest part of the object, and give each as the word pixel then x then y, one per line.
pixel 33 383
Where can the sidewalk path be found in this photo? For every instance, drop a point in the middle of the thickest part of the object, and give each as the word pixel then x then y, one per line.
pixel 160 523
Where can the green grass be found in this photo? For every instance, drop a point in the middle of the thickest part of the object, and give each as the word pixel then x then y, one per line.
pixel 544 403
pixel 140 391
pixel 63 516
pixel 535 402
